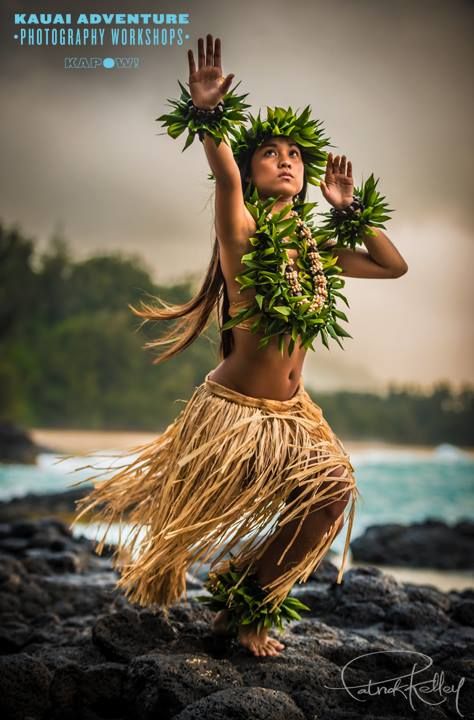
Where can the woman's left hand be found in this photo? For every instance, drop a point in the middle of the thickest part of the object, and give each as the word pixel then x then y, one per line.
pixel 338 185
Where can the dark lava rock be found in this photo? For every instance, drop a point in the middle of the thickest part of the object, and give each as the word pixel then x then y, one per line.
pixel 254 703
pixel 16 445
pixel 24 687
pixel 36 506
pixel 428 544
pixel 126 634
pixel 72 646
pixel 182 679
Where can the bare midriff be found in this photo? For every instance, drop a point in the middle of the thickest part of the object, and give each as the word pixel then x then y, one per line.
pixel 260 372
pixel 250 370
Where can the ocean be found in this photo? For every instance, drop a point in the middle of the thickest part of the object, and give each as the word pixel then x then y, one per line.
pixel 396 486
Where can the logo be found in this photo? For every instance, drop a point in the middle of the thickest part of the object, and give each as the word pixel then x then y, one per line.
pixel 108 63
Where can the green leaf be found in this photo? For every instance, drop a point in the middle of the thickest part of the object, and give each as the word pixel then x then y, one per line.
pixel 282 309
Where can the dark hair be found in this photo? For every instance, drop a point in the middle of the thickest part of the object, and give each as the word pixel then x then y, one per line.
pixel 193 316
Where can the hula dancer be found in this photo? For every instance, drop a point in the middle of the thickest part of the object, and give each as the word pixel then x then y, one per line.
pixel 250 450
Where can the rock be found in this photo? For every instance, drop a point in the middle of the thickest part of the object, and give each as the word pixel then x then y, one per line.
pixel 24 687
pixel 128 633
pixel 177 680
pixel 428 544
pixel 33 506
pixel 255 703
pixel 16 445
pixel 72 646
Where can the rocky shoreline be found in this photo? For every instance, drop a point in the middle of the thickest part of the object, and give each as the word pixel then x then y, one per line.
pixel 73 647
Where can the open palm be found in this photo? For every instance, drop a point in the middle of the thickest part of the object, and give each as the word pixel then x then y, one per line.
pixel 338 185
pixel 207 85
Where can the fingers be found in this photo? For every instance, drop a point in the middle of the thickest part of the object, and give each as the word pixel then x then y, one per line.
pixel 338 166
pixel 201 56
pixel 191 63
pixel 329 169
pixel 209 50
pixel 217 54
pixel 227 83
pixel 212 56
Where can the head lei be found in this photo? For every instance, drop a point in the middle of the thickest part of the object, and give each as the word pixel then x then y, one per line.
pixel 293 298
pixel 300 128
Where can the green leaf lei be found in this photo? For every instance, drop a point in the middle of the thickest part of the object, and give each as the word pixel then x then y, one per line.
pixel 350 228
pixel 245 601
pixel 219 126
pixel 307 133
pixel 276 310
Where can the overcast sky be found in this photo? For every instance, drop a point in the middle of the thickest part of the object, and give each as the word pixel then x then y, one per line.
pixel 392 84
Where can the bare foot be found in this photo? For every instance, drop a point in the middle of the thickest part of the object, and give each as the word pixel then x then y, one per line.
pixel 259 643
pixel 220 623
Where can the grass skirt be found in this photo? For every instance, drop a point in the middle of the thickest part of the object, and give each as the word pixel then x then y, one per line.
pixel 209 485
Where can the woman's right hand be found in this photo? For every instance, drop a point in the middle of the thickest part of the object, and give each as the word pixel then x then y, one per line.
pixel 207 85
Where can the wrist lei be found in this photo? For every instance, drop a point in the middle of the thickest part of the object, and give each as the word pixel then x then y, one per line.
pixel 296 298
pixel 349 225
pixel 245 601
pixel 218 122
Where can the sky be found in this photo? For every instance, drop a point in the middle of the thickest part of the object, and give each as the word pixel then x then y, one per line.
pixel 82 154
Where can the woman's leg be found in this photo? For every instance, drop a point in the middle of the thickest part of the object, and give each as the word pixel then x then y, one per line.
pixel 318 521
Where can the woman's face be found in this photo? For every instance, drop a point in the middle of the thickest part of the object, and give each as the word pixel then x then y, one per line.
pixel 277 168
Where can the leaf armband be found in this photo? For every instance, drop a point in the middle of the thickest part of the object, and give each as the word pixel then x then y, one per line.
pixel 219 122
pixel 349 225
pixel 240 593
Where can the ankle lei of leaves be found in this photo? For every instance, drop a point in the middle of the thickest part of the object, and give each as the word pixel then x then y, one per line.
pixel 240 594
pixel 292 297
pixel 350 225
pixel 219 122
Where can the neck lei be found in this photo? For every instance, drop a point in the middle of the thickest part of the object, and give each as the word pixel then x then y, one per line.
pixel 292 297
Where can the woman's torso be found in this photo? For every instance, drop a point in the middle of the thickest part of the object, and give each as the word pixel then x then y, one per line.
pixel 252 371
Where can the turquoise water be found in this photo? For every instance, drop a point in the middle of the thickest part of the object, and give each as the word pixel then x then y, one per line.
pixel 396 486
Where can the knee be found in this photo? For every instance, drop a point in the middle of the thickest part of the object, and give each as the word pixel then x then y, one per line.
pixel 334 508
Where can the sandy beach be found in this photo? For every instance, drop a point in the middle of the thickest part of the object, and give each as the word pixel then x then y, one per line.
pixel 443 580
pixel 86 441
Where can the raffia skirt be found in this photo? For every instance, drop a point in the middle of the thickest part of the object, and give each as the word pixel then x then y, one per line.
pixel 211 483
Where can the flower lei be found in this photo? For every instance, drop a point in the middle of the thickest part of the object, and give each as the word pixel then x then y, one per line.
pixel 292 297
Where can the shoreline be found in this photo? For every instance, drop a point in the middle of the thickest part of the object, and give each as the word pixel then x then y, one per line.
pixel 87 441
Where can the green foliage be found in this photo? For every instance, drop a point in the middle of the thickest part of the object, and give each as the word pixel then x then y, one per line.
pixel 72 356
pixel 72 351
pixel 17 280
pixel 240 593
pixel 275 309
pixel 218 126
pixel 304 131
pixel 349 232
pixel 404 414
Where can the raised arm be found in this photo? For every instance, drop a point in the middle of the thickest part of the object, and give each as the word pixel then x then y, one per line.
pixel 207 87
pixel 381 259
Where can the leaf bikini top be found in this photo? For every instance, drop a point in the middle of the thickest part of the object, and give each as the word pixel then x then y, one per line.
pixel 297 298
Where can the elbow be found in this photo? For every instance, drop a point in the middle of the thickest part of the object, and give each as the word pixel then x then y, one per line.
pixel 400 270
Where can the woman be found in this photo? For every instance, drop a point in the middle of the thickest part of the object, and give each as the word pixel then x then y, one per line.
pixel 250 447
